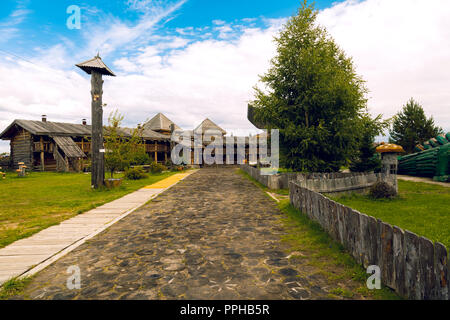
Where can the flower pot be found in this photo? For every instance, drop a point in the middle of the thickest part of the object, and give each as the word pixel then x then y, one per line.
pixel 113 183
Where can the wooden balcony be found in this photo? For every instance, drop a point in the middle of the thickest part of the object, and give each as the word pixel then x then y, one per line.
pixel 84 146
pixel 45 147
pixel 156 148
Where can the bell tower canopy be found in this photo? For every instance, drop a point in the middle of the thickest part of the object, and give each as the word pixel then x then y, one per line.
pixel 95 64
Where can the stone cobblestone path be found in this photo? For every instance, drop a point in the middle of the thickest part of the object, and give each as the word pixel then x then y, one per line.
pixel 215 235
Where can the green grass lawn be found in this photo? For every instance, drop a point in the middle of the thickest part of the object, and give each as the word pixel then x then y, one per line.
pixel 42 199
pixel 420 207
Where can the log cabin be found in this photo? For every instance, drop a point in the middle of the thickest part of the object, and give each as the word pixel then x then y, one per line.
pixel 56 146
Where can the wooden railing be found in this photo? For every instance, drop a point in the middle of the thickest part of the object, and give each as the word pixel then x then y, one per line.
pixel 46 147
pixel 156 148
pixel 84 146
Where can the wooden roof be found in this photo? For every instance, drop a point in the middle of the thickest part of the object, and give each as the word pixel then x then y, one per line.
pixel 160 122
pixel 48 128
pixel 69 147
pixel 208 125
pixel 146 133
pixel 95 64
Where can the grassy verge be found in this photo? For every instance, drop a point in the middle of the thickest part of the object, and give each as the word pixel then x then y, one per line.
pixel 13 287
pixel 420 207
pixel 43 199
pixel 319 252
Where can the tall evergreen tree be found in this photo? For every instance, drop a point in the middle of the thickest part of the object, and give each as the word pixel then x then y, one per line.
pixel 313 96
pixel 411 127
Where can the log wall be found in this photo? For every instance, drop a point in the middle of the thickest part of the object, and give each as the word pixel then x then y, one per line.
pixel 22 149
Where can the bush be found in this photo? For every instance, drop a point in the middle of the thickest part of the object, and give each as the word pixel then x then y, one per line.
pixel 177 168
pixel 135 174
pixel 140 158
pixel 157 168
pixel 382 190
pixel 168 164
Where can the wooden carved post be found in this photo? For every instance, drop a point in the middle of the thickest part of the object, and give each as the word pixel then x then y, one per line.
pixel 98 159
pixel 96 68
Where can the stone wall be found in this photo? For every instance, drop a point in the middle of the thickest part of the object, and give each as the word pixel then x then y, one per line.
pixel 411 265
pixel 332 183
pixel 272 182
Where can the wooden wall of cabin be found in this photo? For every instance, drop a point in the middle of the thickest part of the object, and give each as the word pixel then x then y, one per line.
pixel 22 149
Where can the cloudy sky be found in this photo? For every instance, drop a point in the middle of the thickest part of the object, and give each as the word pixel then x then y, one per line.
pixel 193 59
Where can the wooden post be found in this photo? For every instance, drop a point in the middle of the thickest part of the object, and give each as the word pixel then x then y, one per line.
pixel 42 154
pixel 96 68
pixel 165 154
pixel 98 160
pixel 156 151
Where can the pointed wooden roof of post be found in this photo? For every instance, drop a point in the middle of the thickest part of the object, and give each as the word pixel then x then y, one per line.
pixel 160 122
pixel 208 125
pixel 95 64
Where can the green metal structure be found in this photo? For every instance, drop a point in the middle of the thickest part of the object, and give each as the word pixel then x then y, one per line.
pixel 433 161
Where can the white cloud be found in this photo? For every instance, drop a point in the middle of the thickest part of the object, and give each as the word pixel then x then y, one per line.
pixel 225 31
pixel 218 22
pixel 188 31
pixel 111 33
pixel 172 43
pixel 401 49
pixel 9 26
pixel 208 78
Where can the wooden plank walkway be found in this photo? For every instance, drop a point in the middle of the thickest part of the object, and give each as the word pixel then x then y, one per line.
pixel 27 256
